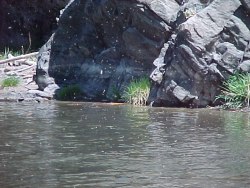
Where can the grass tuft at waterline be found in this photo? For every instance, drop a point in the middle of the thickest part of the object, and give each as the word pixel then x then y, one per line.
pixel 236 91
pixel 137 92
pixel 70 92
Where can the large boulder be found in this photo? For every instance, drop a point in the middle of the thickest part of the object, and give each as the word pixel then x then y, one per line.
pixel 187 47
pixel 28 22
pixel 102 46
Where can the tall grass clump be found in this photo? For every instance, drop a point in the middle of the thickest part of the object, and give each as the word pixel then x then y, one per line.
pixel 137 92
pixel 236 91
pixel 70 92
pixel 10 81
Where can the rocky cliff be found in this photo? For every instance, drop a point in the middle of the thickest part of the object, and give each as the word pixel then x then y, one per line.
pixel 25 22
pixel 186 47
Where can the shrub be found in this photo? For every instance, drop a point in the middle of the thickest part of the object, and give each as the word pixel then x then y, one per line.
pixel 11 81
pixel 70 92
pixel 236 91
pixel 137 92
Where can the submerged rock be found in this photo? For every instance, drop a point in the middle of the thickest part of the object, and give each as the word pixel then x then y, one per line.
pixel 187 47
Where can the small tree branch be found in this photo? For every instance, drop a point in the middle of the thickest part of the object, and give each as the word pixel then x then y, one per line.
pixel 18 57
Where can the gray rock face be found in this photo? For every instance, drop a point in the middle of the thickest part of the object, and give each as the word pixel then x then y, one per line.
pixel 166 9
pixel 187 47
pixel 102 46
pixel 42 76
pixel 209 46
pixel 21 19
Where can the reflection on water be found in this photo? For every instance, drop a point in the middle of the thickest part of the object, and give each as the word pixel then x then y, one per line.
pixel 100 145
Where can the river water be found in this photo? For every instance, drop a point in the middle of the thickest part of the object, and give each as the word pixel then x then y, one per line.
pixel 92 145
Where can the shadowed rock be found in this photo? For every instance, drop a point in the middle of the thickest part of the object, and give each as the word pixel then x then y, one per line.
pixel 25 22
pixel 102 46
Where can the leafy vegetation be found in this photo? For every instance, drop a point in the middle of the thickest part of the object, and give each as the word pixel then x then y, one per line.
pixel 236 91
pixel 11 81
pixel 70 92
pixel 137 92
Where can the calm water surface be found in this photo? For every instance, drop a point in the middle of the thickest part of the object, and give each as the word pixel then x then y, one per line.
pixel 89 145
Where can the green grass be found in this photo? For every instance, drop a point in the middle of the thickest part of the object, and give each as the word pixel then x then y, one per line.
pixel 116 95
pixel 4 55
pixel 137 92
pixel 16 53
pixel 70 92
pixel 11 81
pixel 236 91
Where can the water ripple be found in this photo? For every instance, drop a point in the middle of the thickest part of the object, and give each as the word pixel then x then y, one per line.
pixel 97 145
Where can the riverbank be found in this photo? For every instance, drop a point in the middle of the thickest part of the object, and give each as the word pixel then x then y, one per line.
pixel 22 70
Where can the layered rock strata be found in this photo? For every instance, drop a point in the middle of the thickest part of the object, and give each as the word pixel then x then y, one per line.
pixel 188 48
